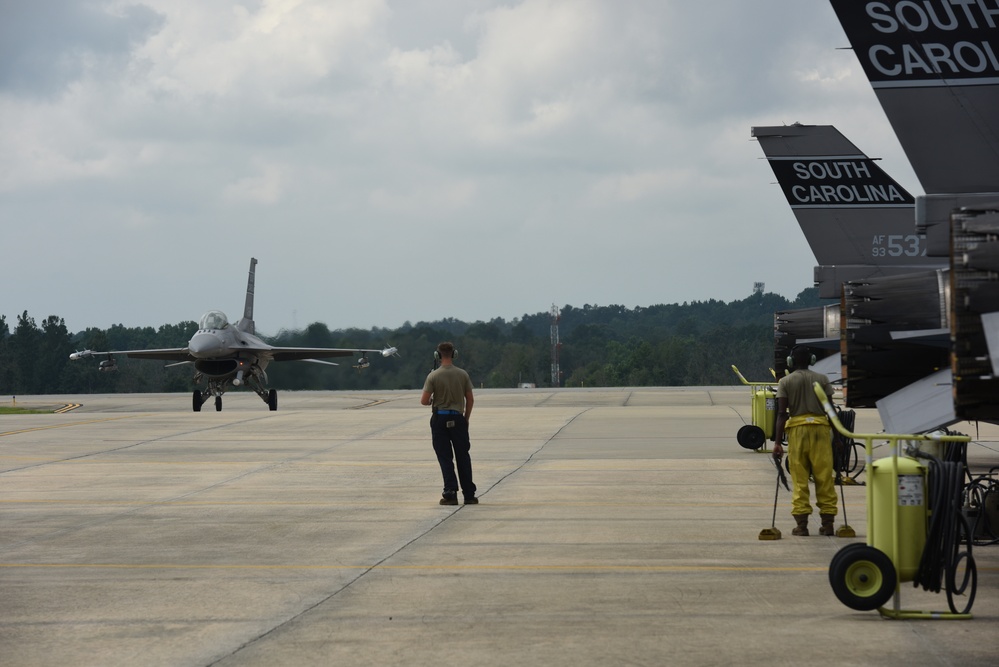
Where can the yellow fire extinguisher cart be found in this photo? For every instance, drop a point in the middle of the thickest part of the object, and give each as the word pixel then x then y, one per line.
pixel 763 408
pixel 909 515
pixel 866 577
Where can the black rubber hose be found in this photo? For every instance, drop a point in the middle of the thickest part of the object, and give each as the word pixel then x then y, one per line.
pixel 979 494
pixel 942 555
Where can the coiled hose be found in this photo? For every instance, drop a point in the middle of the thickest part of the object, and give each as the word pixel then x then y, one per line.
pixel 942 556
pixel 981 494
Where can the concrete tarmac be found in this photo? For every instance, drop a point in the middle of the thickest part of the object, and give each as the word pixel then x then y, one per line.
pixel 616 527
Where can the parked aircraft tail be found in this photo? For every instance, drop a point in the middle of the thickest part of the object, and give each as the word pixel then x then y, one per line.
pixel 935 70
pixel 934 67
pixel 246 323
pixel 858 221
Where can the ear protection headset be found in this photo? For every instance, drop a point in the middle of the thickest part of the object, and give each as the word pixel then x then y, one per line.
pixel 790 357
pixel 454 354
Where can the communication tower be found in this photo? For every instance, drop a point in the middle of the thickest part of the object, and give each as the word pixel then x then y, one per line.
pixel 556 372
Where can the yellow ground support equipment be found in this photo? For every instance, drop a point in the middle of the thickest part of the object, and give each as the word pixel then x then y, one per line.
pixel 763 407
pixel 910 483
pixel 866 577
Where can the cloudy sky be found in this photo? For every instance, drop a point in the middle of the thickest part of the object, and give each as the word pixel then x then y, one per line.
pixel 406 160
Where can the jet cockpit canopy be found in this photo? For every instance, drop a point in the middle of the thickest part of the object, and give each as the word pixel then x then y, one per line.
pixel 213 319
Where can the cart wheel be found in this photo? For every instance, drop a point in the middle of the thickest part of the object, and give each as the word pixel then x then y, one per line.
pixel 862 577
pixel 751 437
pixel 842 554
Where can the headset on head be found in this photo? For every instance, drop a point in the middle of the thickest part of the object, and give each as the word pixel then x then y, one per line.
pixel 454 354
pixel 790 357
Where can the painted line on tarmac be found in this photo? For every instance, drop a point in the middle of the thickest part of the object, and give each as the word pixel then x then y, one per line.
pixel 606 569
pixel 368 405
pixel 333 502
pixel 416 568
pixel 45 428
pixel 68 408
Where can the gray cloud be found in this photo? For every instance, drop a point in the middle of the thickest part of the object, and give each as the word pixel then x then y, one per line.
pixel 45 46
pixel 567 151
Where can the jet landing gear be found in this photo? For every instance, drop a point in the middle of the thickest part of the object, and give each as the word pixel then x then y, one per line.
pixel 267 396
pixel 200 398
pixel 217 388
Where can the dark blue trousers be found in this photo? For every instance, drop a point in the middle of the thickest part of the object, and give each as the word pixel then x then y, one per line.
pixel 453 440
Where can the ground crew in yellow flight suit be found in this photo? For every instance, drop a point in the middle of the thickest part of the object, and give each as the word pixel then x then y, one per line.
pixel 809 441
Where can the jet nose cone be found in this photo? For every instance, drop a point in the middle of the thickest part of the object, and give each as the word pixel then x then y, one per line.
pixel 203 345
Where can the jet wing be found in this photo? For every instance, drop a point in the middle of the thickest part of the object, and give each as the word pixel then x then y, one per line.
pixel 165 354
pixel 274 353
pixel 304 353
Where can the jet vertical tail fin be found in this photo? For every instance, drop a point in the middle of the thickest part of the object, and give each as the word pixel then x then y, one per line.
pixel 935 70
pixel 934 67
pixel 246 323
pixel 858 221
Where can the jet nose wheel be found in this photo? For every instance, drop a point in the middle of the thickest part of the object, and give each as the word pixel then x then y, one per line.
pixel 218 404
pixel 272 399
pixel 197 401
pixel 862 577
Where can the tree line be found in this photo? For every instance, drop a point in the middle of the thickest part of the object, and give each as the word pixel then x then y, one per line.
pixel 689 344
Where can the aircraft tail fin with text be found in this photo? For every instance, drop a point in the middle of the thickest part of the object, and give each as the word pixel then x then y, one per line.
pixel 246 323
pixel 858 221
pixel 934 68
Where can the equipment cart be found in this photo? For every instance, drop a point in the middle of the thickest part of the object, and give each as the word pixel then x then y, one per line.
pixel 764 411
pixel 915 529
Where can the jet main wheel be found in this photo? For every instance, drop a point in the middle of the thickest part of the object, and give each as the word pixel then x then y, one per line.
pixel 862 577
pixel 197 401
pixel 272 399
pixel 218 404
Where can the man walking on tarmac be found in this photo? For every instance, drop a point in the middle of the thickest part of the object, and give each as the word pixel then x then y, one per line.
pixel 809 441
pixel 448 390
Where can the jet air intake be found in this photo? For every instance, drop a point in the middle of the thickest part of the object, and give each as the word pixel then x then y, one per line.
pixel 216 367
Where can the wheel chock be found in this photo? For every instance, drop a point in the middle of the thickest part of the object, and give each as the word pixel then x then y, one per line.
pixel 770 534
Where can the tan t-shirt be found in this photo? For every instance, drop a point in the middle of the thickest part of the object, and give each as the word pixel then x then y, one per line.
pixel 448 385
pixel 801 398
